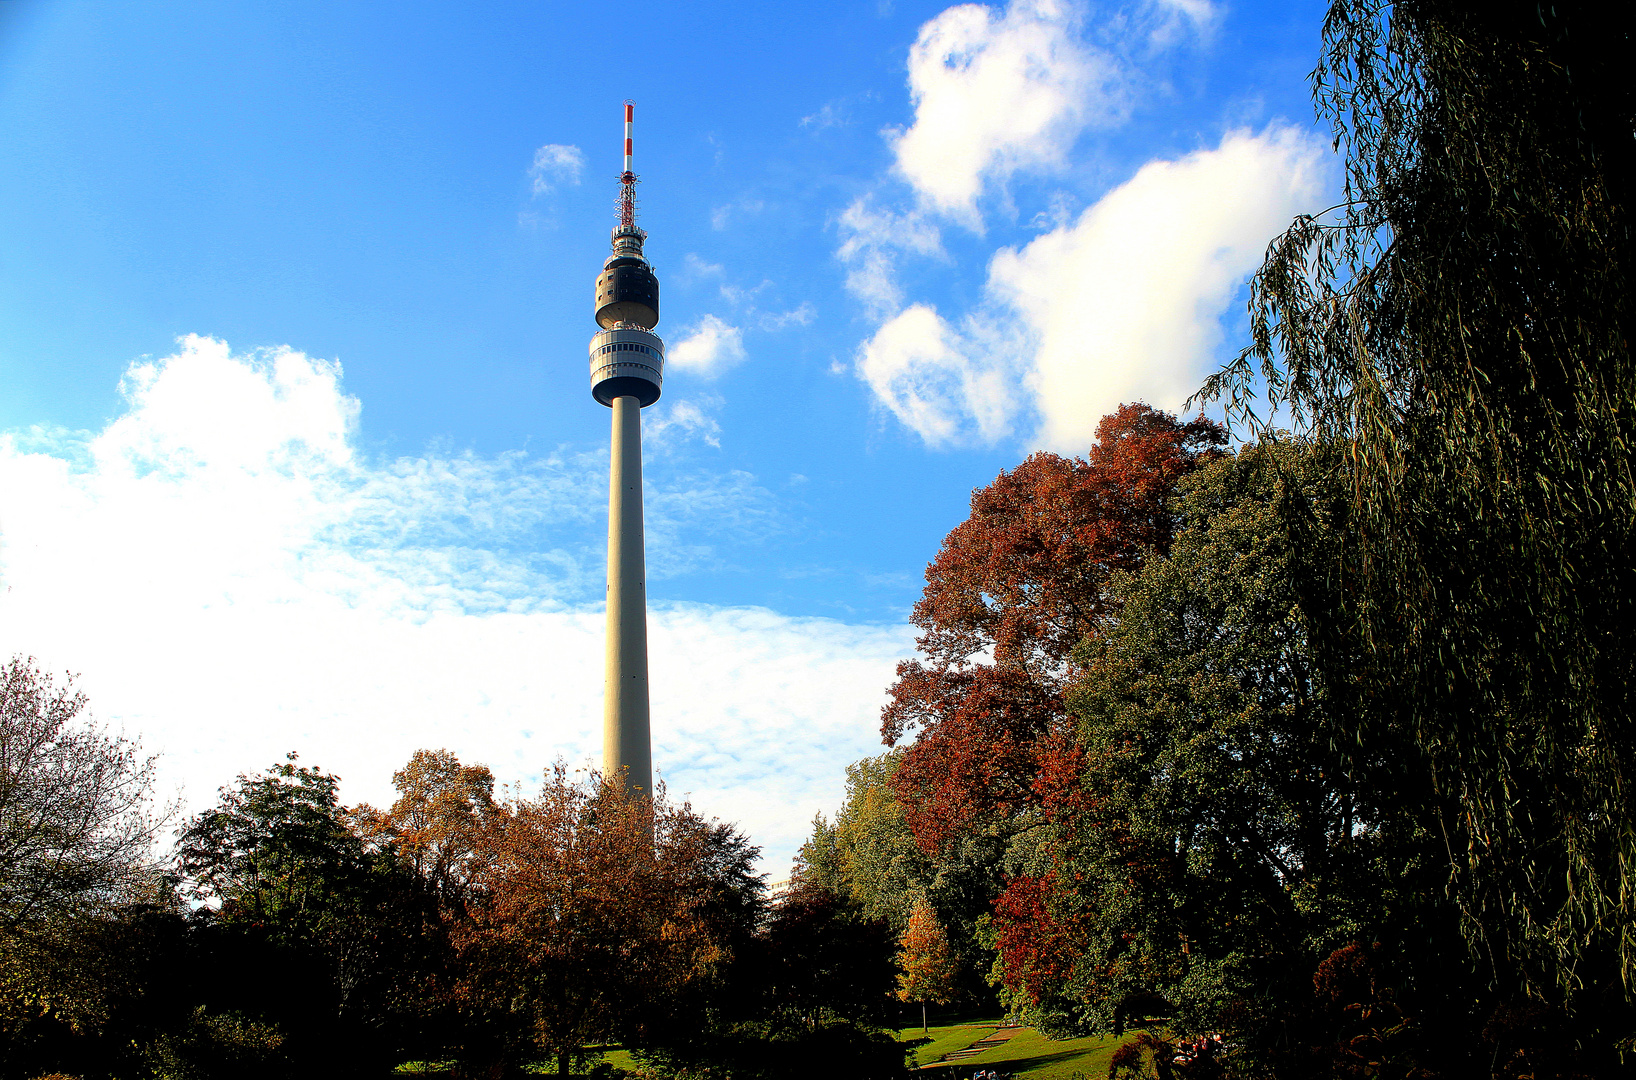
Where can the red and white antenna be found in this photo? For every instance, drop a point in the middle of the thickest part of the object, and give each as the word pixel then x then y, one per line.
pixel 627 179
pixel 630 113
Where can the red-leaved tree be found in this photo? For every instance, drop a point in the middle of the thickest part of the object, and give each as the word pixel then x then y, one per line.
pixel 1015 587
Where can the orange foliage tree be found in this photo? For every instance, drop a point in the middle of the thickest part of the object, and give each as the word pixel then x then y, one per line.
pixel 927 968
pixel 598 915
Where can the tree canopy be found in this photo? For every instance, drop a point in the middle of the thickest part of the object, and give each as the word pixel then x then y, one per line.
pixel 1460 327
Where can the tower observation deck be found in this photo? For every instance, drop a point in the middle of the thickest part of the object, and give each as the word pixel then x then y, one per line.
pixel 627 370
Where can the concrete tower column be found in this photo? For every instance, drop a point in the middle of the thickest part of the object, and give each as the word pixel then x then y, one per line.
pixel 627 373
pixel 626 748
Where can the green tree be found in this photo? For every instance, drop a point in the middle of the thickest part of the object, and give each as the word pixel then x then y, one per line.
pixel 815 998
pixel 1461 326
pixel 869 855
pixel 1218 854
pixel 287 878
pixel 927 968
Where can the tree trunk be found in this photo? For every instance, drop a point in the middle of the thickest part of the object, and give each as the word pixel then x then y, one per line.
pixel 562 1063
pixel 923 1028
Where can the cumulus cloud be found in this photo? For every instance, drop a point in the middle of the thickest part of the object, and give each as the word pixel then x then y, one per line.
pixel 555 163
pixel 709 349
pixel 996 92
pixel 1123 303
pixel 939 382
pixel 234 579
pixel 1127 302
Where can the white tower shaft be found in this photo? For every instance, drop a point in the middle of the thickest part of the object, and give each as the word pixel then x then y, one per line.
pixel 626 746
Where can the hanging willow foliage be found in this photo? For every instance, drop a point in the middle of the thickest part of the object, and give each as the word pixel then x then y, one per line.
pixel 1459 329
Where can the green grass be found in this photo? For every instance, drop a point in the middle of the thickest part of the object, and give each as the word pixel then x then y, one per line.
pixel 1026 1053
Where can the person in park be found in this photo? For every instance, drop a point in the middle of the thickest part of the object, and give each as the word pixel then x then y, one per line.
pixel 927 966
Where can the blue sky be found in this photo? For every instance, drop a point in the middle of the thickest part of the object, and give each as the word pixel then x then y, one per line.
pixel 294 303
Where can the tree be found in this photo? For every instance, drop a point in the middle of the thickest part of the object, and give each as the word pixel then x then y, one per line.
pixel 601 914
pixel 813 1000
pixel 76 836
pixel 438 820
pixel 868 855
pixel 76 825
pixel 1023 580
pixel 1220 852
pixel 1460 328
pixel 927 969
pixel 349 937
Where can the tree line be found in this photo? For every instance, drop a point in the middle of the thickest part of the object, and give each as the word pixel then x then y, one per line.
pixel 1322 743
pixel 285 933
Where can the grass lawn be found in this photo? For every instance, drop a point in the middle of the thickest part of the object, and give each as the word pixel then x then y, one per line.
pixel 1026 1053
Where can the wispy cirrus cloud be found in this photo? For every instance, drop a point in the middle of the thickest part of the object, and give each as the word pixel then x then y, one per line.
pixel 555 163
pixel 235 579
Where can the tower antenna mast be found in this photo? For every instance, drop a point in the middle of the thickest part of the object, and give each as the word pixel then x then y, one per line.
pixel 627 179
pixel 627 369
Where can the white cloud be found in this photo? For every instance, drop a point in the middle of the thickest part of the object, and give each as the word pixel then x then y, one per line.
pixel 710 349
pixel 871 239
pixel 829 115
pixel 721 216
pixel 997 92
pixel 557 163
pixel 235 580
pixel 739 295
pixel 1124 303
pixel 941 384
pixel 695 267
pixel 797 316
pixel 674 422
pixel 1174 18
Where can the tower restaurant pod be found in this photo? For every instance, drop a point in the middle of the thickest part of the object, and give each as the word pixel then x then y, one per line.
pixel 627 358
pixel 626 290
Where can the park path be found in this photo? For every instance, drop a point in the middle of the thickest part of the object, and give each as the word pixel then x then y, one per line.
pixel 988 1042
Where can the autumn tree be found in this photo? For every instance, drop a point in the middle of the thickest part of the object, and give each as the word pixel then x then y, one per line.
pixel 77 829
pixel 600 914
pixel 1014 588
pixel 1217 852
pixel 927 969
pixel 1461 325
pixel 438 820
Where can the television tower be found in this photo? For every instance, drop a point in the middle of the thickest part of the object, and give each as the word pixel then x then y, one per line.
pixel 627 366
